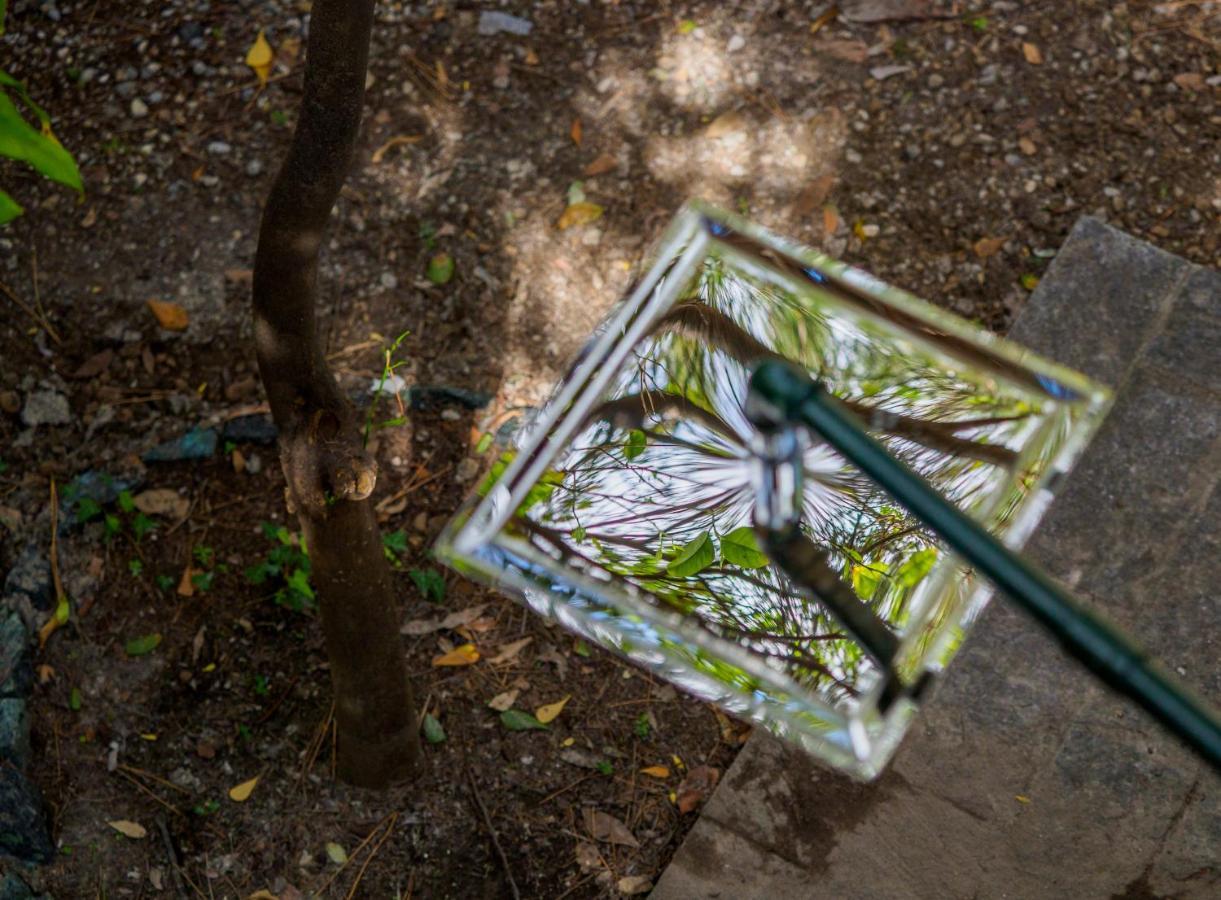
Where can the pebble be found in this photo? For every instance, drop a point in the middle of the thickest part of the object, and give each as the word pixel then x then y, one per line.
pixel 466 470
pixel 10 402
pixel 736 43
pixel 254 168
pixel 491 22
pixel 46 407
pixel 389 281
pixel 139 109
pixel 936 81
pixel 219 148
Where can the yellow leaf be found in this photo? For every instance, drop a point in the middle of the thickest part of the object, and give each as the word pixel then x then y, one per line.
pixel 656 772
pixel 1033 54
pixel 133 830
pixel 549 712
pixel 460 656
pixel 263 895
pixel 242 792
pixel 1020 799
pixel 579 214
pixel 260 57
pixel 170 316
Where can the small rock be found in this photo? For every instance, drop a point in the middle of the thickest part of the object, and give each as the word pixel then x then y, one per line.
pixel 736 43
pixel 430 396
pixel 389 281
pixel 219 148
pixel 10 402
pixel 15 731
pixel 23 829
pixel 254 465
pixel 491 22
pixel 198 443
pixel 46 407
pixel 139 109
pixel 935 80
pixel 254 168
pixel 466 470
pixel 256 429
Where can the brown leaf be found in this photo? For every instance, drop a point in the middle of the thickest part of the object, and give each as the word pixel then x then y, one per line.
pixel 830 219
pixel 185 587
pixel 988 246
pixel 1033 54
pixel 170 316
pixel 814 195
pixel 504 701
pixel 588 857
pixel 239 276
pixel 725 124
pixel 126 827
pixel 453 620
pixel 94 365
pixel 162 502
pixel 399 140
pixel 696 788
pixel 600 166
pixel 1190 81
pixel 575 132
pixel 607 828
pixel 848 51
pixel 508 651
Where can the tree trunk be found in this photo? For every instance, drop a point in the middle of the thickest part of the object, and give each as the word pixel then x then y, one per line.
pixel 330 476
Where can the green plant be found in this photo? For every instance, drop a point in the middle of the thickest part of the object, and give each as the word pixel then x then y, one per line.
pixel 23 142
pixel 389 364
pixel 287 567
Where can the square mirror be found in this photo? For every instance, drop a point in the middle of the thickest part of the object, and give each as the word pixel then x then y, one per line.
pixel 625 510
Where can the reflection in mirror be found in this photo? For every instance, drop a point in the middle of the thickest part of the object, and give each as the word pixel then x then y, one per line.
pixel 627 510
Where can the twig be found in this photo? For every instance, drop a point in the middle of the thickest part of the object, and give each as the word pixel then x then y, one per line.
pixel 148 791
pixel 355 853
pixel 55 579
pixel 151 777
pixel 368 859
pixel 414 486
pixel 487 820
pixel 562 790
pixel 271 710
pixel 175 871
pixel 40 321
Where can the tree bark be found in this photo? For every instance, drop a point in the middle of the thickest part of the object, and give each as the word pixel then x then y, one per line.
pixel 330 475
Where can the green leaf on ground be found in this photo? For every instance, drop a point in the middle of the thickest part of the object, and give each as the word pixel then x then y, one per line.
pixel 9 208
pixel 516 720
pixel 433 732
pixel 741 548
pixel 142 645
pixel 695 556
pixel 440 268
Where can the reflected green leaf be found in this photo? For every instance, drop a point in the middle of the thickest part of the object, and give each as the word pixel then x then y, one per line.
pixel 695 556
pixel 741 548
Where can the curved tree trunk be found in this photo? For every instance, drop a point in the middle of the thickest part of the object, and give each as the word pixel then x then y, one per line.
pixel 330 476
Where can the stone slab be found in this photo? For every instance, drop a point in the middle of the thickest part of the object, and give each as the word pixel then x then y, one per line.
pixel 1022 777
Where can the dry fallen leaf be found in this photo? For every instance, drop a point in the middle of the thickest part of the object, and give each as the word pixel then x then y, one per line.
pixel 988 246
pixel 453 620
pixel 186 587
pixel 630 885
pixel 464 655
pixel 600 166
pixel 264 894
pixel 162 502
pixel 260 57
pixel 1033 54
pixel 725 124
pixel 696 788
pixel 607 828
pixel 656 772
pixel 848 51
pixel 508 651
pixel 241 793
pixel 588 857
pixel 133 830
pixel 581 213
pixel 1190 81
pixel 830 219
pixel 397 141
pixel 550 711
pixel 814 195
pixel 170 316
pixel 575 132
pixel 504 701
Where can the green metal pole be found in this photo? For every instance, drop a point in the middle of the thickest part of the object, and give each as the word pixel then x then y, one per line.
pixel 791 395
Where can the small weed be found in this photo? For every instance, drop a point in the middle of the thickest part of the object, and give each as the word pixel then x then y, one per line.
pixel 286 568
pixel 135 567
pixel 261 685
pixel 641 727
pixel 394 544
pixel 604 767
pixel 389 364
pixel 429 583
